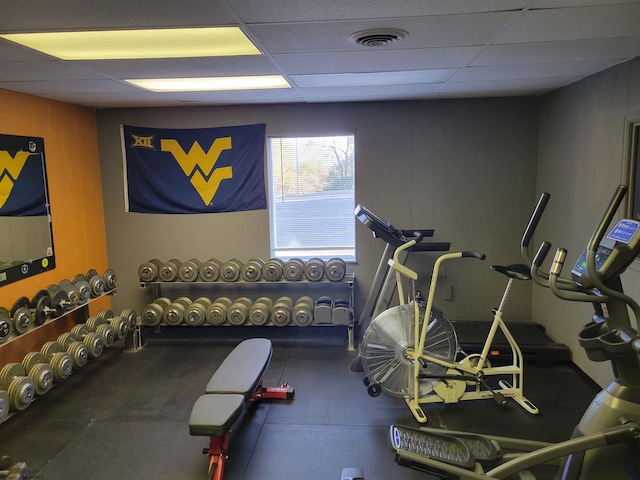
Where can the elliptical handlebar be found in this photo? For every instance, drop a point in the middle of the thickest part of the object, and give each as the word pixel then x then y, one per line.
pixel 541 254
pixel 614 204
pixel 558 262
pixel 532 225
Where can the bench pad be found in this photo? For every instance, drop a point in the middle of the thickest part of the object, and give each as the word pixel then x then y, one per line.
pixel 213 414
pixel 243 368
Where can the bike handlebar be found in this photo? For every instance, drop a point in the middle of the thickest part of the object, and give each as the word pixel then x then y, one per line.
pixel 479 256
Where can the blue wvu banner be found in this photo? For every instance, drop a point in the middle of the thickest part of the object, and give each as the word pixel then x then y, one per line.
pixel 22 183
pixel 204 170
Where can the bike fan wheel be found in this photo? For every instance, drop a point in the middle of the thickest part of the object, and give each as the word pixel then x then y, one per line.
pixel 389 338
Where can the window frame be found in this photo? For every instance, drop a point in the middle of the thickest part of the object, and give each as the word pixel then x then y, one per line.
pixel 318 252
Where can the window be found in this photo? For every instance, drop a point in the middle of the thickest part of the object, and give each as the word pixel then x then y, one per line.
pixel 312 197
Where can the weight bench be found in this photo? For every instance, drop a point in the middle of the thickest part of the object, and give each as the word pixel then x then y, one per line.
pixel 237 382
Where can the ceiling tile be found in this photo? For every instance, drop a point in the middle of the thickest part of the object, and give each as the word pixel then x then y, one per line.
pixel 184 67
pixel 66 86
pixel 39 15
pixel 564 51
pixel 507 87
pixel 613 21
pixel 387 92
pixel 531 70
pixel 424 32
pixel 372 60
pixel 574 3
pixel 534 45
pixel 288 11
pixel 44 70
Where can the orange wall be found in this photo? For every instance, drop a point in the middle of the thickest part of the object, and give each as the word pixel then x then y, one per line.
pixel 75 191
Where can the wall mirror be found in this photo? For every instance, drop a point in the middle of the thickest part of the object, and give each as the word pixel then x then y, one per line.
pixel 26 235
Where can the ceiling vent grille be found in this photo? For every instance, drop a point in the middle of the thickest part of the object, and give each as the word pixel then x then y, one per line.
pixel 377 37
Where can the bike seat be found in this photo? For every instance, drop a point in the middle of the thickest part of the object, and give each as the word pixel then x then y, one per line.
pixel 518 271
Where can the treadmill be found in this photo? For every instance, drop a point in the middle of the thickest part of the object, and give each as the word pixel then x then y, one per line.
pixel 383 286
pixel 535 345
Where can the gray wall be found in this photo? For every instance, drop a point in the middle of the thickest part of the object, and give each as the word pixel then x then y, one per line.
pixel 464 167
pixel 581 159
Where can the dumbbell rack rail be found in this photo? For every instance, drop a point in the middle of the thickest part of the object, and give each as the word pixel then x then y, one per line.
pixel 13 336
pixel 264 287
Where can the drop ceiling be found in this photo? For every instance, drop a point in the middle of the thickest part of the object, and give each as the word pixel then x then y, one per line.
pixel 452 48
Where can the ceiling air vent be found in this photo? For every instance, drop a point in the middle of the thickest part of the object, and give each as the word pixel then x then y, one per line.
pixel 378 37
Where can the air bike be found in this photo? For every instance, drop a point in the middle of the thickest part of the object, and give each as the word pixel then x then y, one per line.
pixel 421 361
pixel 606 442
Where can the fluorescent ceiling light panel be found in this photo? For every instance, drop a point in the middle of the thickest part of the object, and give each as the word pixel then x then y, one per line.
pixel 205 84
pixel 130 44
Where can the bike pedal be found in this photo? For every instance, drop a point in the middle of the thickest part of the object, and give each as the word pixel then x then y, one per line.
pixel 500 399
pixel 411 444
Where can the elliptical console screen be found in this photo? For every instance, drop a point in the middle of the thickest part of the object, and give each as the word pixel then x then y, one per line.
pixel 614 254
pixel 624 231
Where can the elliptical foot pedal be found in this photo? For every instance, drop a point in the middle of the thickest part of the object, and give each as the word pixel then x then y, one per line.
pixel 412 444
pixel 483 450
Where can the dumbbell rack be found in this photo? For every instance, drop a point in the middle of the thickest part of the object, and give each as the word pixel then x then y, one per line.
pixel 69 314
pixel 262 288
pixel 16 346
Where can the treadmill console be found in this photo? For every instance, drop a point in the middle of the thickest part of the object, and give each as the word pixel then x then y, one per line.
pixel 614 254
pixel 396 237
pixel 379 227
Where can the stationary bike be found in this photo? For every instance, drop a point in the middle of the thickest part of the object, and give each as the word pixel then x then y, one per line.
pixel 606 442
pixel 406 356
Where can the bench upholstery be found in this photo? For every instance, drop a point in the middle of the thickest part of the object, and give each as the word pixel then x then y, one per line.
pixel 214 414
pixel 243 368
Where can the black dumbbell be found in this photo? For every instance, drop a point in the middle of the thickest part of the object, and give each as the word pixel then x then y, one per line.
pixel 70 299
pixel 45 305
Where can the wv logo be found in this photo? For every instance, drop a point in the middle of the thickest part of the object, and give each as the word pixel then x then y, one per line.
pixel 10 169
pixel 199 165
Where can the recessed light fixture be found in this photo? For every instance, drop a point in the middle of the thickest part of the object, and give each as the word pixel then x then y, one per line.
pixel 132 44
pixel 378 37
pixel 205 84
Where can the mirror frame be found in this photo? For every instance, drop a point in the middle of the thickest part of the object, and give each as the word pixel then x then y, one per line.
pixel 34 266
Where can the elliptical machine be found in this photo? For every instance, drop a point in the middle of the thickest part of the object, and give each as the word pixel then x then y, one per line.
pixel 606 442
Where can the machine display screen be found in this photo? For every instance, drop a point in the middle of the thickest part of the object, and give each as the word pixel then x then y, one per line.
pixel 624 231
